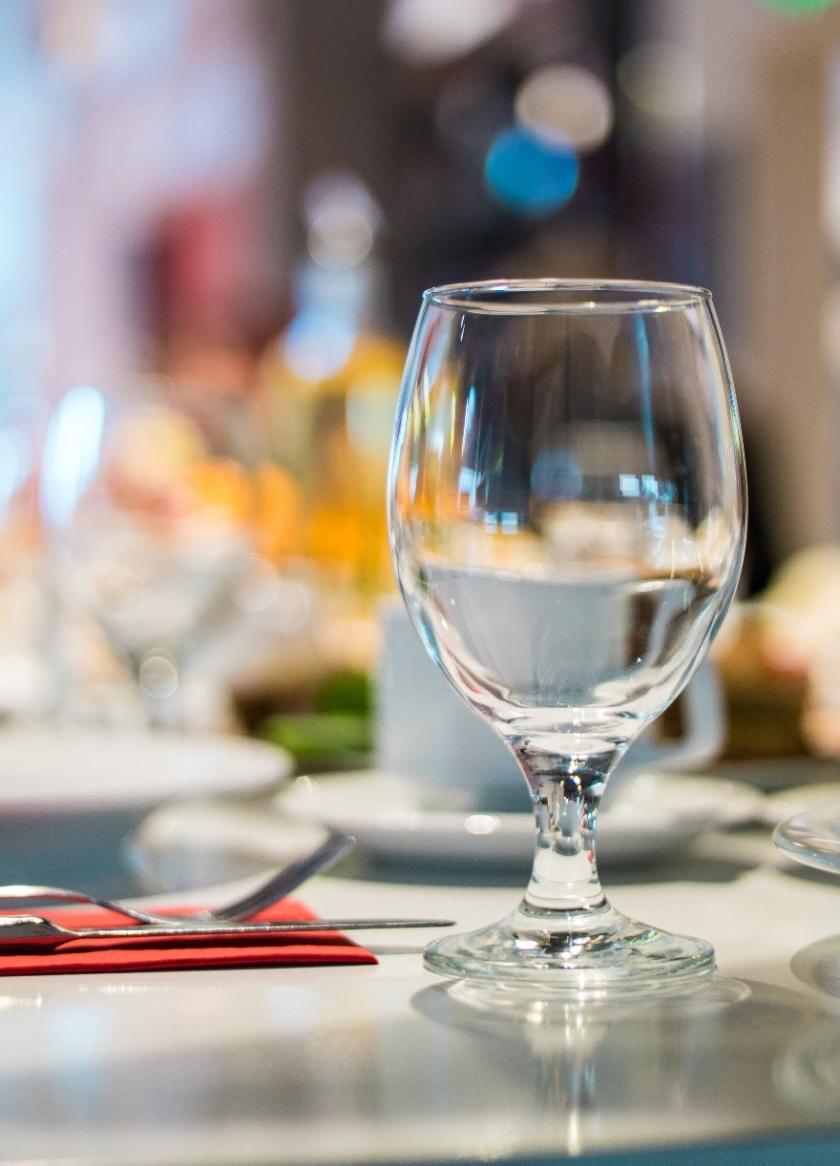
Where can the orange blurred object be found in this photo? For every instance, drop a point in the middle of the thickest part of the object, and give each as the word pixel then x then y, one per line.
pixel 332 435
pixel 266 500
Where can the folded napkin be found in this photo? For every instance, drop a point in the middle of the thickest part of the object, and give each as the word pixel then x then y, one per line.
pixel 181 952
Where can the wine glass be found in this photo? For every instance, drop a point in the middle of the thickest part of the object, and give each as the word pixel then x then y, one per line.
pixel 150 492
pixel 567 521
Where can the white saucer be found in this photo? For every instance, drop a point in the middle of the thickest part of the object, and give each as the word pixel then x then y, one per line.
pixel 391 818
pixel 77 770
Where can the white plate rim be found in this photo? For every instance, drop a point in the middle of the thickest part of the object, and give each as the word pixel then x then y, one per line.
pixel 240 765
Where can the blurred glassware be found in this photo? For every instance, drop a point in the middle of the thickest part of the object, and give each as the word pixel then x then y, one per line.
pixel 332 433
pixel 812 837
pixel 26 682
pixel 331 382
pixel 160 506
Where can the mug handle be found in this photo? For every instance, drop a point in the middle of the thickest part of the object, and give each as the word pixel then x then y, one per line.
pixel 705 724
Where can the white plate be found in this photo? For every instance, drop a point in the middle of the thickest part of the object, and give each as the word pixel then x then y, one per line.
pixel 195 844
pixel 78 770
pixel 391 818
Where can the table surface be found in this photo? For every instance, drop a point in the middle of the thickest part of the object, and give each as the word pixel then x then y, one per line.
pixel 388 1063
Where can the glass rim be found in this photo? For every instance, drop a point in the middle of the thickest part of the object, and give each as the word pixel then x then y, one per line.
pixel 562 297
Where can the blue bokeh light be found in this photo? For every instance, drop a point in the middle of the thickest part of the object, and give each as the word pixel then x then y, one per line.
pixel 530 176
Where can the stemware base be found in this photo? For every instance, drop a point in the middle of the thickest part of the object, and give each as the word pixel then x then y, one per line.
pixel 812 838
pixel 573 954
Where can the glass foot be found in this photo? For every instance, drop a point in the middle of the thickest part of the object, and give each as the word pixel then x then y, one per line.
pixel 582 954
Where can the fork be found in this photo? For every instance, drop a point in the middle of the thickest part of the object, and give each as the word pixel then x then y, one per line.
pixel 280 884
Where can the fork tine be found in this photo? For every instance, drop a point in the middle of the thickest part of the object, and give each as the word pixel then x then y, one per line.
pixel 17 892
pixel 334 847
pixel 277 887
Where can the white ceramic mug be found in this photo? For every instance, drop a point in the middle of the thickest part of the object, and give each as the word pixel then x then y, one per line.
pixel 426 732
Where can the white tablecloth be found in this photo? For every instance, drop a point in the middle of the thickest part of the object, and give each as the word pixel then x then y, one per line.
pixel 386 1064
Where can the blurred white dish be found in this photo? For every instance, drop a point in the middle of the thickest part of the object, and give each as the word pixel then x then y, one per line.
pixel 58 770
pixel 198 843
pixel 393 819
pixel 68 798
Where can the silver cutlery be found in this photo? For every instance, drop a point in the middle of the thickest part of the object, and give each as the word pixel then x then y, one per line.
pixel 280 884
pixel 34 932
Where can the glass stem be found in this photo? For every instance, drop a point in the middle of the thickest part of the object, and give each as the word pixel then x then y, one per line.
pixel 566 792
pixel 159 680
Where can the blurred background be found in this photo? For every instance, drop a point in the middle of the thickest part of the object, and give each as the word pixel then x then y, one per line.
pixel 216 219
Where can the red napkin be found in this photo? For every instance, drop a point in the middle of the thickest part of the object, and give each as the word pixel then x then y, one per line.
pixel 164 954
